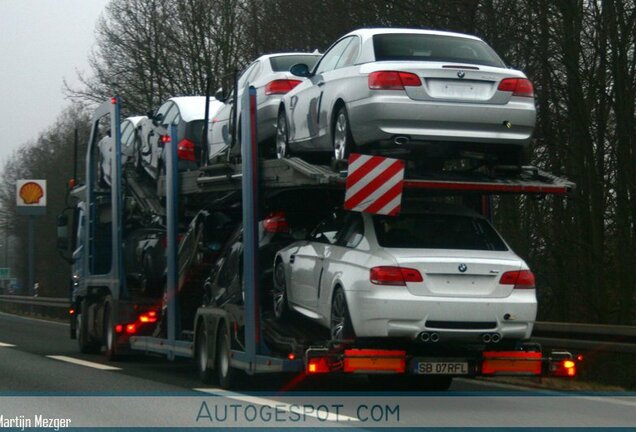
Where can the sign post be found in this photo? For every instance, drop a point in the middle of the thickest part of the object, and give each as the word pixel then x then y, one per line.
pixel 31 202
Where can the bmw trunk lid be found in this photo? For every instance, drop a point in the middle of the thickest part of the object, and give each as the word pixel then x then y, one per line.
pixel 454 273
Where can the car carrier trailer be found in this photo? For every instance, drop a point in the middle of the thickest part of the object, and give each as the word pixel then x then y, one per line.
pixel 225 339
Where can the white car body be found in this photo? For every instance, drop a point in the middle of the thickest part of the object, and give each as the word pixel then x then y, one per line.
pixel 129 142
pixel 460 297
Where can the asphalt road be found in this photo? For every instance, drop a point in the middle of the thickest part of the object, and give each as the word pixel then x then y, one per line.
pixel 42 371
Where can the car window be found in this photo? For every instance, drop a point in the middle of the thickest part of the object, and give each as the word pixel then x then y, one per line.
pixel 327 231
pixel 353 232
pixel 163 109
pixel 350 54
pixel 246 75
pixel 171 115
pixel 331 57
pixel 438 48
pixel 436 231
pixel 127 134
pixel 284 63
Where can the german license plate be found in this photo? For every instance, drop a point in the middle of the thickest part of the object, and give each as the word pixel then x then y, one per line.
pixel 441 368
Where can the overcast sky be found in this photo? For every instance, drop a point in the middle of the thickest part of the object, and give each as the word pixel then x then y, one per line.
pixel 42 42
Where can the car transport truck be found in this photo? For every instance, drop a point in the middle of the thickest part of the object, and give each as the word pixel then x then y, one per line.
pixel 144 248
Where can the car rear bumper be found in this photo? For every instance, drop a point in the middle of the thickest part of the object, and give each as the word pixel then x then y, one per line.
pixel 380 118
pixel 394 312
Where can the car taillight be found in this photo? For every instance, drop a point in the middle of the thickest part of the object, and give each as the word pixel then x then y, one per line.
pixel 276 222
pixel 393 80
pixel 518 86
pixel 521 279
pixel 148 317
pixel 185 150
pixel 165 139
pixel 389 275
pixel 280 86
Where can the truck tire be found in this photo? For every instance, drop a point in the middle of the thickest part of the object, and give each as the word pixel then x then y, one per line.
pixel 206 375
pixel 225 372
pixel 86 344
pixel 110 338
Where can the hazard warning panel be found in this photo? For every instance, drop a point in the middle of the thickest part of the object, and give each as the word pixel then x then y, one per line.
pixel 374 184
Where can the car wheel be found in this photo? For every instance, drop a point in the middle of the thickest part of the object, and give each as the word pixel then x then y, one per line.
pixel 225 372
pixel 279 293
pixel 341 327
pixel 342 138
pixel 86 344
pixel 282 136
pixel 206 375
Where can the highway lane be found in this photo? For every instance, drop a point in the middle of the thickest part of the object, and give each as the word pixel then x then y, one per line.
pixel 27 367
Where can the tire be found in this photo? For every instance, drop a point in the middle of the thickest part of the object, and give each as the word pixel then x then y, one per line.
pixel 340 327
pixel 110 338
pixel 225 372
pixel 86 345
pixel 206 375
pixel 279 293
pixel 282 136
pixel 342 139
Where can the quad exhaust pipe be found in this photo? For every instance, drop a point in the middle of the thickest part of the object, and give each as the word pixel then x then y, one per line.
pixel 429 337
pixel 491 338
pixel 401 140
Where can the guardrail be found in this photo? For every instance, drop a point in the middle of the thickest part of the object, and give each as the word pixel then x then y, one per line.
pixel 45 306
pixel 588 337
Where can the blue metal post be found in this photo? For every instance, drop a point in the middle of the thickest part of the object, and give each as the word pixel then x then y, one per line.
pixel 172 202
pixel 117 203
pixel 249 155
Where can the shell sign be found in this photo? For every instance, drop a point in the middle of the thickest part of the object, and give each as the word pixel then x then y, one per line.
pixel 31 193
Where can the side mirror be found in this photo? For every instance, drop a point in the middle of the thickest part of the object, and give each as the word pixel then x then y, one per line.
pixel 157 119
pixel 301 70
pixel 220 95
pixel 62 233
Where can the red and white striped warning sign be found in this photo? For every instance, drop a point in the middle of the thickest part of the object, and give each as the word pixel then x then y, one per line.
pixel 374 184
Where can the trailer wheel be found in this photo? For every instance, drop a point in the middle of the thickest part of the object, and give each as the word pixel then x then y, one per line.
pixel 110 338
pixel 279 293
pixel 341 327
pixel 86 344
pixel 225 372
pixel 206 375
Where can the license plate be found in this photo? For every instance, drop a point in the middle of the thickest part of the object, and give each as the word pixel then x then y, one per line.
pixel 441 368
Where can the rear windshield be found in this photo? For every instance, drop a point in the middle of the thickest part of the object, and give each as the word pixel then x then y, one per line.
pixel 194 131
pixel 427 47
pixel 284 63
pixel 437 231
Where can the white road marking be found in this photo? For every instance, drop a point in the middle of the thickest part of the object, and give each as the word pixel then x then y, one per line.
pixel 83 362
pixel 271 402
pixel 6 345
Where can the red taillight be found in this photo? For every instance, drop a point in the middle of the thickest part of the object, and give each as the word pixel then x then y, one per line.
pixel 71 311
pixel 148 317
pixel 119 328
pixel 280 86
pixel 131 328
pixel 521 279
pixel 388 275
pixel 518 87
pixel 563 368
pixel 165 139
pixel 185 150
pixel 276 222
pixel 393 80
pixel 318 365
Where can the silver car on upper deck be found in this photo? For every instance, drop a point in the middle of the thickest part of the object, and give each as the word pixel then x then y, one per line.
pixel 427 93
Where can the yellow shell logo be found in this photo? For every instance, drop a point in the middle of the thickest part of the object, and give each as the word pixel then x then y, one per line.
pixel 31 193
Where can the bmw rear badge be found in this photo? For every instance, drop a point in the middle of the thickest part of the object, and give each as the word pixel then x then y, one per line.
pixel 461 74
pixel 462 268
